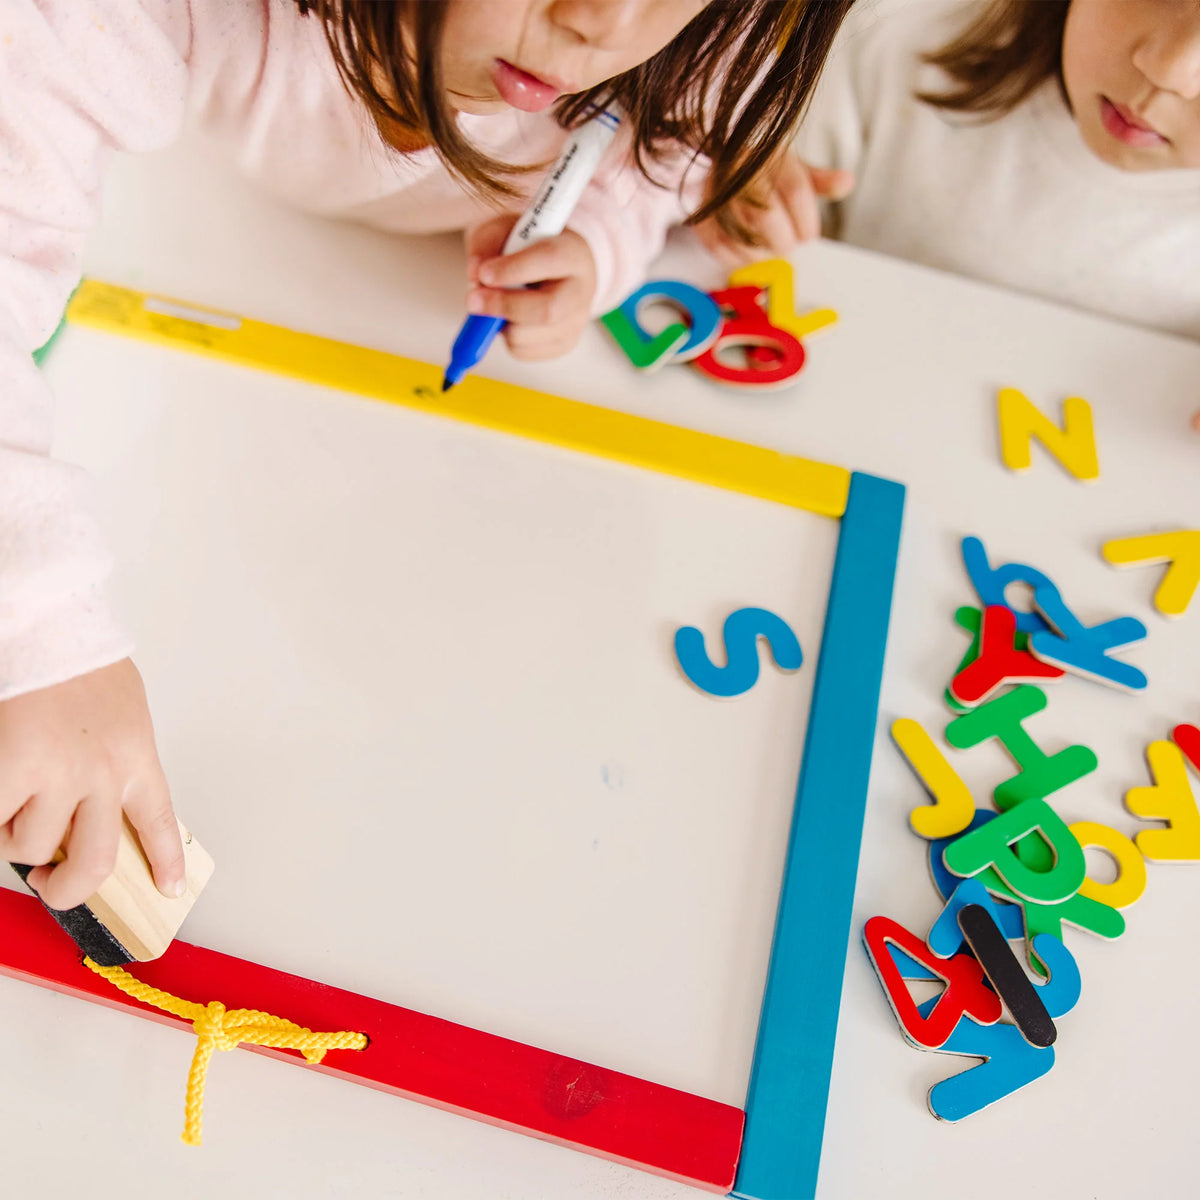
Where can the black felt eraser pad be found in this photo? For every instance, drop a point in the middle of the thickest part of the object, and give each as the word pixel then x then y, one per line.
pixel 80 923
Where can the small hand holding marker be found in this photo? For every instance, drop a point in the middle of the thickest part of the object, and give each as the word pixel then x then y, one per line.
pixel 544 292
pixel 546 217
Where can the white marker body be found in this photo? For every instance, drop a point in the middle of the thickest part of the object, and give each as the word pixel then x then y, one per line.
pixel 551 208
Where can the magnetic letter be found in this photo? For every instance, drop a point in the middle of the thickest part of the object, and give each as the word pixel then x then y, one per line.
pixel 1130 882
pixel 1074 445
pixel 998 661
pixel 1083 650
pixel 1040 773
pixel 775 274
pixel 946 939
pixel 991 584
pixel 741 633
pixel 952 807
pixel 991 846
pixel 746 324
pixel 1180 550
pixel 1010 1062
pixel 966 992
pixel 1170 799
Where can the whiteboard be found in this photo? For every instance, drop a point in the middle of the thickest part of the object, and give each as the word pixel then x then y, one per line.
pixel 415 690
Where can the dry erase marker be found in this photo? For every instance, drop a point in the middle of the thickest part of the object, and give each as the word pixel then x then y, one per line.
pixel 546 217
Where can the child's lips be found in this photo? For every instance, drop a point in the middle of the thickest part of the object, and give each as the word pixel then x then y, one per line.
pixel 1127 127
pixel 522 90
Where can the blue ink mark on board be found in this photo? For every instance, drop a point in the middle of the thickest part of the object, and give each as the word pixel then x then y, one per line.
pixel 613 776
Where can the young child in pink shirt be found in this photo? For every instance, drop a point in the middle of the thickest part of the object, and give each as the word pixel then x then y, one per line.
pixel 413 116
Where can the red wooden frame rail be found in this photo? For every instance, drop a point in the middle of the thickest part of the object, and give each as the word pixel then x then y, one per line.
pixel 463 1070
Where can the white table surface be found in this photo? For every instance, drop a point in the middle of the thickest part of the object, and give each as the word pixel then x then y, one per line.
pixel 414 690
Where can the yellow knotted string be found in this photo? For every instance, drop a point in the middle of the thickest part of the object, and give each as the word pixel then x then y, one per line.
pixel 220 1029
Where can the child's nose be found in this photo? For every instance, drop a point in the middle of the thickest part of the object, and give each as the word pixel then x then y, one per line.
pixel 601 24
pixel 1171 63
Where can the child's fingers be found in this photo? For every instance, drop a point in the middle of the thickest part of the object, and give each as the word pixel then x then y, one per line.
pixel 777 229
pixel 717 242
pixel 34 835
pixel 15 787
pixel 799 200
pixel 1196 422
pixel 543 292
pixel 729 251
pixel 551 304
pixel 833 183
pixel 537 342
pixel 555 258
pixel 486 241
pixel 91 856
pixel 152 816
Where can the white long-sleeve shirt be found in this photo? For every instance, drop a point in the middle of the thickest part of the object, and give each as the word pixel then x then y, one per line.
pixel 1018 201
pixel 80 79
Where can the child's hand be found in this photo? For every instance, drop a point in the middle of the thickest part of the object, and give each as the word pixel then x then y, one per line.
pixel 546 319
pixel 75 756
pixel 788 210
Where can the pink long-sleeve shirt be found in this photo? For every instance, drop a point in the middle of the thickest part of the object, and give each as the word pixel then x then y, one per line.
pixel 80 79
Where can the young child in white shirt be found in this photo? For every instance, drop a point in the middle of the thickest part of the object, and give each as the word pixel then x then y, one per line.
pixel 1050 146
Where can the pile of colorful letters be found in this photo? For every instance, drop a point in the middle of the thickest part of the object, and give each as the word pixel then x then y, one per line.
pixel 1019 871
pixel 747 335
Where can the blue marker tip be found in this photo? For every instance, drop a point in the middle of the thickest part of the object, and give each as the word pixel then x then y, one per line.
pixel 472 343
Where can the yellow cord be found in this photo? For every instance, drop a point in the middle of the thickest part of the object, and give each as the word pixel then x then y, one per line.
pixel 219 1029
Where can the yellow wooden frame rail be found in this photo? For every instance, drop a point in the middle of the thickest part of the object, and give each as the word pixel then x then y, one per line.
pixel 703 457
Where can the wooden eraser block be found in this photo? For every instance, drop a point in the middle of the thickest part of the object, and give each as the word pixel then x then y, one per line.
pixel 134 911
pixel 128 919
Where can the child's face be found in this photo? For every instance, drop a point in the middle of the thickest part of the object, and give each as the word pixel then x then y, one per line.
pixel 1132 72
pixel 527 53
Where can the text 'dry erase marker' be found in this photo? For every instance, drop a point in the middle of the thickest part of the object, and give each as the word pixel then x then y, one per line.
pixel 546 217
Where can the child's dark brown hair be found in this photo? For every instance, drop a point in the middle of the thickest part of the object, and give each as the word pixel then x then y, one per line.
pixel 732 85
pixel 1001 57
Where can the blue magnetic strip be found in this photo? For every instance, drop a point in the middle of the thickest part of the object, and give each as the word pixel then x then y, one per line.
pixel 793 1057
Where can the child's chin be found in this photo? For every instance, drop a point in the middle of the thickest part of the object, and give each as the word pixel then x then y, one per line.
pixel 1125 158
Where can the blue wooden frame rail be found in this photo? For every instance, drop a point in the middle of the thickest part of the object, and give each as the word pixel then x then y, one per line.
pixel 793 1056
